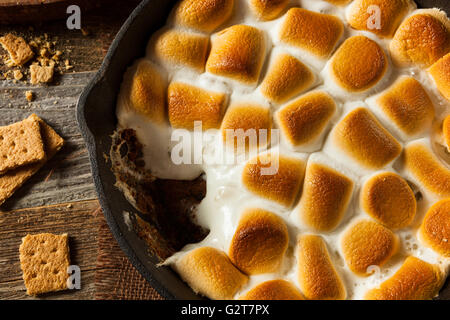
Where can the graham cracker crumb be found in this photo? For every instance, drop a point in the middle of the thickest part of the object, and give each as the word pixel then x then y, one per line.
pixel 18 75
pixel 85 32
pixel 44 259
pixel 29 95
pixel 67 63
pixel 41 74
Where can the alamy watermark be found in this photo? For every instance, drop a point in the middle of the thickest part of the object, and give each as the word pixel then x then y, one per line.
pixel 74 20
pixel 74 279
pixel 236 146
pixel 374 20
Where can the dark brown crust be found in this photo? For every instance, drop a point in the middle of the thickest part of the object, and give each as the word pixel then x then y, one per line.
pixel 167 207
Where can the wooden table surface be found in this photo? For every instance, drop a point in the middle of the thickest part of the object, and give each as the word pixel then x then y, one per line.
pixel 61 196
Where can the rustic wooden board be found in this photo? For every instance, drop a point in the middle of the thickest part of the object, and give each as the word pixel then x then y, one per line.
pixel 41 204
pixel 80 220
pixel 28 11
pixel 67 177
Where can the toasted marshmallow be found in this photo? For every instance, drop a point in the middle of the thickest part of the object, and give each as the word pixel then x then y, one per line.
pixel 415 280
pixel 175 49
pixel 259 243
pixel 361 137
pixel 187 104
pixel 317 275
pixel 268 9
pixel 421 39
pixel 405 107
pixel 435 229
pixel 286 78
pixel 389 199
pixel 245 122
pixel 238 53
pixel 313 32
pixel 203 15
pixel 440 72
pixel 361 15
pixel 338 2
pixel 304 121
pixel 143 90
pixel 210 272
pixel 273 290
pixel 358 67
pixel 367 243
pixel 422 165
pixel 275 177
pixel 446 131
pixel 325 197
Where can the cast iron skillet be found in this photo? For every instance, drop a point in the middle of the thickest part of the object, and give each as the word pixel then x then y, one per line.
pixel 97 121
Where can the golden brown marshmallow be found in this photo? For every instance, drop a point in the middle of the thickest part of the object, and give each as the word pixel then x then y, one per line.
pixel 282 186
pixel 317 275
pixel 359 64
pixel 338 2
pixel 415 280
pixel 203 15
pixel 144 91
pixel 268 9
pixel 435 229
pixel 173 47
pixel 391 14
pixel 238 53
pixel 407 104
pixel 446 131
pixel 273 290
pixel 286 78
pixel 425 167
pixel 325 198
pixel 367 243
pixel 421 39
pixel 246 116
pixel 362 137
pixel 389 199
pixel 314 32
pixel 440 71
pixel 259 243
pixel 304 119
pixel 187 104
pixel 210 272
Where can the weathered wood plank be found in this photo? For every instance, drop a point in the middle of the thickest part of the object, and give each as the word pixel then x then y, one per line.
pixel 67 177
pixel 80 220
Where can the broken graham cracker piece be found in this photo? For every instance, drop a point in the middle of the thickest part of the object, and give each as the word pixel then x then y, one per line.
pixel 14 179
pixel 41 74
pixel 19 51
pixel 44 259
pixel 20 144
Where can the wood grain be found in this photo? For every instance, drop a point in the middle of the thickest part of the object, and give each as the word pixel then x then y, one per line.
pixel 67 177
pixel 80 220
pixel 41 204
pixel 26 11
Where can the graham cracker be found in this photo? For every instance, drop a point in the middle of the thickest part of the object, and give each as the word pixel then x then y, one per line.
pixel 14 179
pixel 20 144
pixel 44 259
pixel 41 74
pixel 19 51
